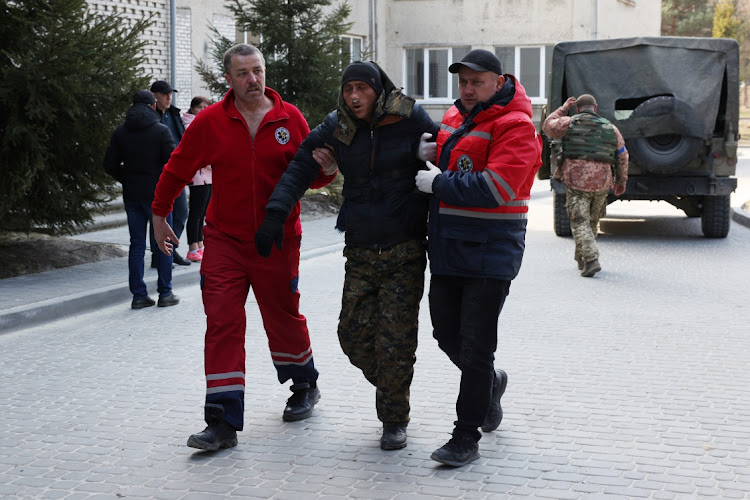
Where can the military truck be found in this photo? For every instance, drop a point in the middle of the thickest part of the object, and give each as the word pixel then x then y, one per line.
pixel 676 102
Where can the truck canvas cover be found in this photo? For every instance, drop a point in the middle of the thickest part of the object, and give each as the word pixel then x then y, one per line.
pixel 693 70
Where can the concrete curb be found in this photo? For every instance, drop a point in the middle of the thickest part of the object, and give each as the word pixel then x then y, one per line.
pixel 30 315
pixel 741 216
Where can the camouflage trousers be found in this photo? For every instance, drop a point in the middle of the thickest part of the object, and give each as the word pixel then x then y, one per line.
pixel 379 319
pixel 584 210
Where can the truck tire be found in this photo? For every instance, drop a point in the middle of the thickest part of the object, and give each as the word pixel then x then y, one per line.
pixel 662 154
pixel 715 216
pixel 560 218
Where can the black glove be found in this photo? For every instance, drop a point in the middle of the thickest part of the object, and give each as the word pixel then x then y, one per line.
pixel 270 231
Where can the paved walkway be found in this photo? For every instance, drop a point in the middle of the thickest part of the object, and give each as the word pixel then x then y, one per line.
pixel 35 298
pixel 648 399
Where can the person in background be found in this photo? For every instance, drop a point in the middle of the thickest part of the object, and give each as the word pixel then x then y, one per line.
pixel 592 149
pixel 376 134
pixel 170 116
pixel 137 152
pixel 249 138
pixel 488 153
pixel 200 191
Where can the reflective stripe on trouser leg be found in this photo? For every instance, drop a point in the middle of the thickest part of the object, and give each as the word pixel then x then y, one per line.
pixel 275 284
pixel 225 289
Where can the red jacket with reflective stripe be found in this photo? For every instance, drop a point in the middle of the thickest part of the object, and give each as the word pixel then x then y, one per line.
pixel 478 223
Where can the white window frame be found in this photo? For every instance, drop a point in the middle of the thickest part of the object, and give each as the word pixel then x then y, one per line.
pixel 542 98
pixel 516 70
pixel 452 92
pixel 351 39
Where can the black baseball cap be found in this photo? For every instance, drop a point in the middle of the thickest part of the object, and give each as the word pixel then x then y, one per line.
pixel 162 87
pixel 144 97
pixel 478 60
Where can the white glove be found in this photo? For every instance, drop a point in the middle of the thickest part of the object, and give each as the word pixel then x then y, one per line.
pixel 425 178
pixel 427 150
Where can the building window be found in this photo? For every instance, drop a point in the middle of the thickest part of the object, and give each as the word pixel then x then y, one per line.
pixel 531 65
pixel 351 47
pixel 427 75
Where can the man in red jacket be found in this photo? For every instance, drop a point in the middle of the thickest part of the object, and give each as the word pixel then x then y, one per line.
pixel 488 152
pixel 248 138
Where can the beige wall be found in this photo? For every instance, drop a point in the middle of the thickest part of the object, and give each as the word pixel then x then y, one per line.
pixel 391 26
pixel 402 24
pixel 489 23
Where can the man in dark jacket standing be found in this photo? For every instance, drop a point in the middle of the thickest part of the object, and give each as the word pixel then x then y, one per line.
pixel 135 157
pixel 376 135
pixel 488 153
pixel 170 116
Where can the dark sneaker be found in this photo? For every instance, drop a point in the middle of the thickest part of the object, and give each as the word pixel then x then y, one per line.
pixel 394 437
pixel 459 451
pixel 218 435
pixel 495 415
pixel 302 402
pixel 591 268
pixel 141 302
pixel 169 300
pixel 177 259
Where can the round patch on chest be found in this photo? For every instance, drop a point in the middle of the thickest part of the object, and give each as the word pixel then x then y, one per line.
pixel 464 163
pixel 282 135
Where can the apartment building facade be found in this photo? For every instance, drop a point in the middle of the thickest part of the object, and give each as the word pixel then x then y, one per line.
pixel 413 40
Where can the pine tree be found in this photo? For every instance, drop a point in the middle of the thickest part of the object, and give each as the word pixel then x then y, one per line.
pixel 686 17
pixel 302 47
pixel 66 79
pixel 212 72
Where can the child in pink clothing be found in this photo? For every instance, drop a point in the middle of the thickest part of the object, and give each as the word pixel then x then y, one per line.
pixel 200 191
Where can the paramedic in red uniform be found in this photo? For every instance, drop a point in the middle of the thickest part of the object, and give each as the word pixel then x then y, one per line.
pixel 488 152
pixel 249 138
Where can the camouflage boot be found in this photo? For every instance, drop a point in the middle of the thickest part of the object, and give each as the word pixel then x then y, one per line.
pixel 591 268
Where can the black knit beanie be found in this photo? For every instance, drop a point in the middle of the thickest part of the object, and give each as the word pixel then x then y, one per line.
pixel 365 72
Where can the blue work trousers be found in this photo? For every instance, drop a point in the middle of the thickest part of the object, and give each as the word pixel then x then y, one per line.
pixel 139 218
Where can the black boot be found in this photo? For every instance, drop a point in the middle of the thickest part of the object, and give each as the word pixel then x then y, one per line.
pixel 177 259
pixel 394 437
pixel 459 451
pixel 495 415
pixel 219 434
pixel 302 402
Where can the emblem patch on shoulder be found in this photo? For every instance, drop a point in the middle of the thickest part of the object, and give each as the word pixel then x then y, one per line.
pixel 464 163
pixel 282 135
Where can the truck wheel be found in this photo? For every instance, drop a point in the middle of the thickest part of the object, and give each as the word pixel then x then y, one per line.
pixel 662 154
pixel 561 219
pixel 715 216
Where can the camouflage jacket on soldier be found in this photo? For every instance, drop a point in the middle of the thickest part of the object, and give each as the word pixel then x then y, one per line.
pixel 583 174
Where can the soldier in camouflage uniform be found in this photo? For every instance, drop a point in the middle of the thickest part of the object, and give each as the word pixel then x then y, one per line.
pixel 379 138
pixel 592 148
